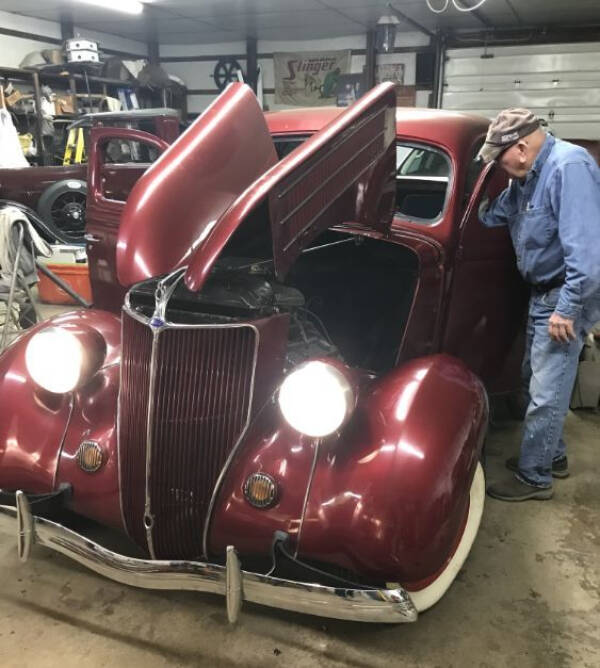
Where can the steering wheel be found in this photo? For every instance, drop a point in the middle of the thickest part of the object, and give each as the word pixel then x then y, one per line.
pixel 226 71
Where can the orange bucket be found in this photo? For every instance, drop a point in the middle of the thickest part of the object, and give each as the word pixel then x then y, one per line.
pixel 75 275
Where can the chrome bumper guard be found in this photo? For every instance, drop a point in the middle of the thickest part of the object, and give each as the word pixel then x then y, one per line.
pixel 364 605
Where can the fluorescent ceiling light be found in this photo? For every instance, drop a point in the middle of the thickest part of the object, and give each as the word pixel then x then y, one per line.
pixel 128 6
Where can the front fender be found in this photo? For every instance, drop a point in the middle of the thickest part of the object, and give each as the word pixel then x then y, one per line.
pixel 34 424
pixel 389 498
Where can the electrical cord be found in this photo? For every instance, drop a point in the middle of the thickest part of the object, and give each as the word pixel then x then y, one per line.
pixel 462 8
pixel 456 4
pixel 438 11
pixel 279 542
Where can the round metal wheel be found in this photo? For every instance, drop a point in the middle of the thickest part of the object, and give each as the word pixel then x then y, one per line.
pixel 68 213
pixel 225 72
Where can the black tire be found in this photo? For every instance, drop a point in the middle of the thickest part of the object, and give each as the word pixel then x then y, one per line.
pixel 62 205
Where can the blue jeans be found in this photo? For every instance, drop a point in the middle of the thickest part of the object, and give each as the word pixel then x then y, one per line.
pixel 549 371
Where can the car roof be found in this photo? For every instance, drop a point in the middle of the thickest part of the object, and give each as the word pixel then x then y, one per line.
pixel 453 130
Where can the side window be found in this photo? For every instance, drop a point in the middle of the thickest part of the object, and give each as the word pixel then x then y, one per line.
pixel 119 152
pixel 422 182
pixel 124 161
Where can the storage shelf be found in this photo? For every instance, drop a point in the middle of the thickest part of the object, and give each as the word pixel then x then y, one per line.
pixel 19 74
pixel 76 85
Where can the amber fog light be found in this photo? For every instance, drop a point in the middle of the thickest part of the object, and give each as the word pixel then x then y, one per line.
pixel 260 490
pixel 89 456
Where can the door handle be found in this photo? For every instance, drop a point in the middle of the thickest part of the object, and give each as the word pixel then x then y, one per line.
pixel 91 238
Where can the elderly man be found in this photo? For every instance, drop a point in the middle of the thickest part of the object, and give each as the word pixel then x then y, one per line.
pixel 552 209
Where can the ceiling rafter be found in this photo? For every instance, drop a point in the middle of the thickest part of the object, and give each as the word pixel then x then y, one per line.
pixel 339 12
pixel 514 11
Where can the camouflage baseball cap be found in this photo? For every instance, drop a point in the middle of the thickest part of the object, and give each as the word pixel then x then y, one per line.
pixel 505 130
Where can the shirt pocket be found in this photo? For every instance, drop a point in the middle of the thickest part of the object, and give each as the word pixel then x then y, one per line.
pixel 536 227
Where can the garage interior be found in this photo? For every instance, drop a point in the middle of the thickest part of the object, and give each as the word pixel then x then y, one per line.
pixel 528 594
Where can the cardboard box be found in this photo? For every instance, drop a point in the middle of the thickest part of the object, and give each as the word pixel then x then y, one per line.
pixel 13 98
pixel 64 105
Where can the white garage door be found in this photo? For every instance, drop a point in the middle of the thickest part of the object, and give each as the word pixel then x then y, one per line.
pixel 559 82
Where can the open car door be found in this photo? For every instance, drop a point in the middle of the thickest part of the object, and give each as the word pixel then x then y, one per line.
pixel 109 184
pixel 488 297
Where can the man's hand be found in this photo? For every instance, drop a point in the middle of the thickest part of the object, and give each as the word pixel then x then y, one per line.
pixel 560 329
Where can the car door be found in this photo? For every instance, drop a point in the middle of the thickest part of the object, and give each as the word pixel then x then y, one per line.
pixel 109 184
pixel 487 299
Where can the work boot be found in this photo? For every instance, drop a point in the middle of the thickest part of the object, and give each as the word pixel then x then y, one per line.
pixel 514 489
pixel 560 466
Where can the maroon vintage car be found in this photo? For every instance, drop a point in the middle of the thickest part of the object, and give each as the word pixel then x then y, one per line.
pixel 287 407
pixel 58 193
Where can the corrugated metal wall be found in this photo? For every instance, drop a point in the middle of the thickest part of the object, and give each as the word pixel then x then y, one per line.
pixel 559 82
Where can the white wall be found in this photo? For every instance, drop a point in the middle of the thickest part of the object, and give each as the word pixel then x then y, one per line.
pixel 14 49
pixel 197 75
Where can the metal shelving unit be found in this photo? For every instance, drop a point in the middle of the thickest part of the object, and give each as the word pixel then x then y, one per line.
pixel 74 82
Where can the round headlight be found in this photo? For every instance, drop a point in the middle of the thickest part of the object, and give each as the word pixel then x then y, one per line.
pixel 316 398
pixel 54 359
pixel 59 359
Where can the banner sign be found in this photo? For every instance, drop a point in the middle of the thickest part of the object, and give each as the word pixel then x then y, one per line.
pixel 309 79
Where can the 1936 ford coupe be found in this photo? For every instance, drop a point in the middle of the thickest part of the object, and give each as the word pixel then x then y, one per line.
pixel 288 406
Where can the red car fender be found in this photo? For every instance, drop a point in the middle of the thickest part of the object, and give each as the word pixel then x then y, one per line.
pixel 35 424
pixel 389 499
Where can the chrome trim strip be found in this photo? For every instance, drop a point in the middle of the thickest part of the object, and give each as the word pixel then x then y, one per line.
pixel 125 529
pixel 366 605
pixel 307 494
pixel 168 324
pixel 219 482
pixel 63 439
pixel 110 366
pixel 148 517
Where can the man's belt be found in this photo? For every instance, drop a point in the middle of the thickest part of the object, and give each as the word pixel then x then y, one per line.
pixel 541 288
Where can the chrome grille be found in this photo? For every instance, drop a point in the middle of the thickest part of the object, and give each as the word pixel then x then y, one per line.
pixel 200 407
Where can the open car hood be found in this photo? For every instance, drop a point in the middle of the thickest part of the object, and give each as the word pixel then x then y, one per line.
pixel 343 173
pixel 178 199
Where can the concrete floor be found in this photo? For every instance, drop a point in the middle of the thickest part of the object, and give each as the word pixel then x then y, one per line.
pixel 528 596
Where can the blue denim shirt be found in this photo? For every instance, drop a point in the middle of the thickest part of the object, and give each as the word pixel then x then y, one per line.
pixel 553 217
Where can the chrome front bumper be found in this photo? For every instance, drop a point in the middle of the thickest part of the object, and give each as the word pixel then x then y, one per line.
pixel 365 605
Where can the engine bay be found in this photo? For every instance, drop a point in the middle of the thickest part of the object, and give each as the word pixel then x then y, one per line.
pixel 347 297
